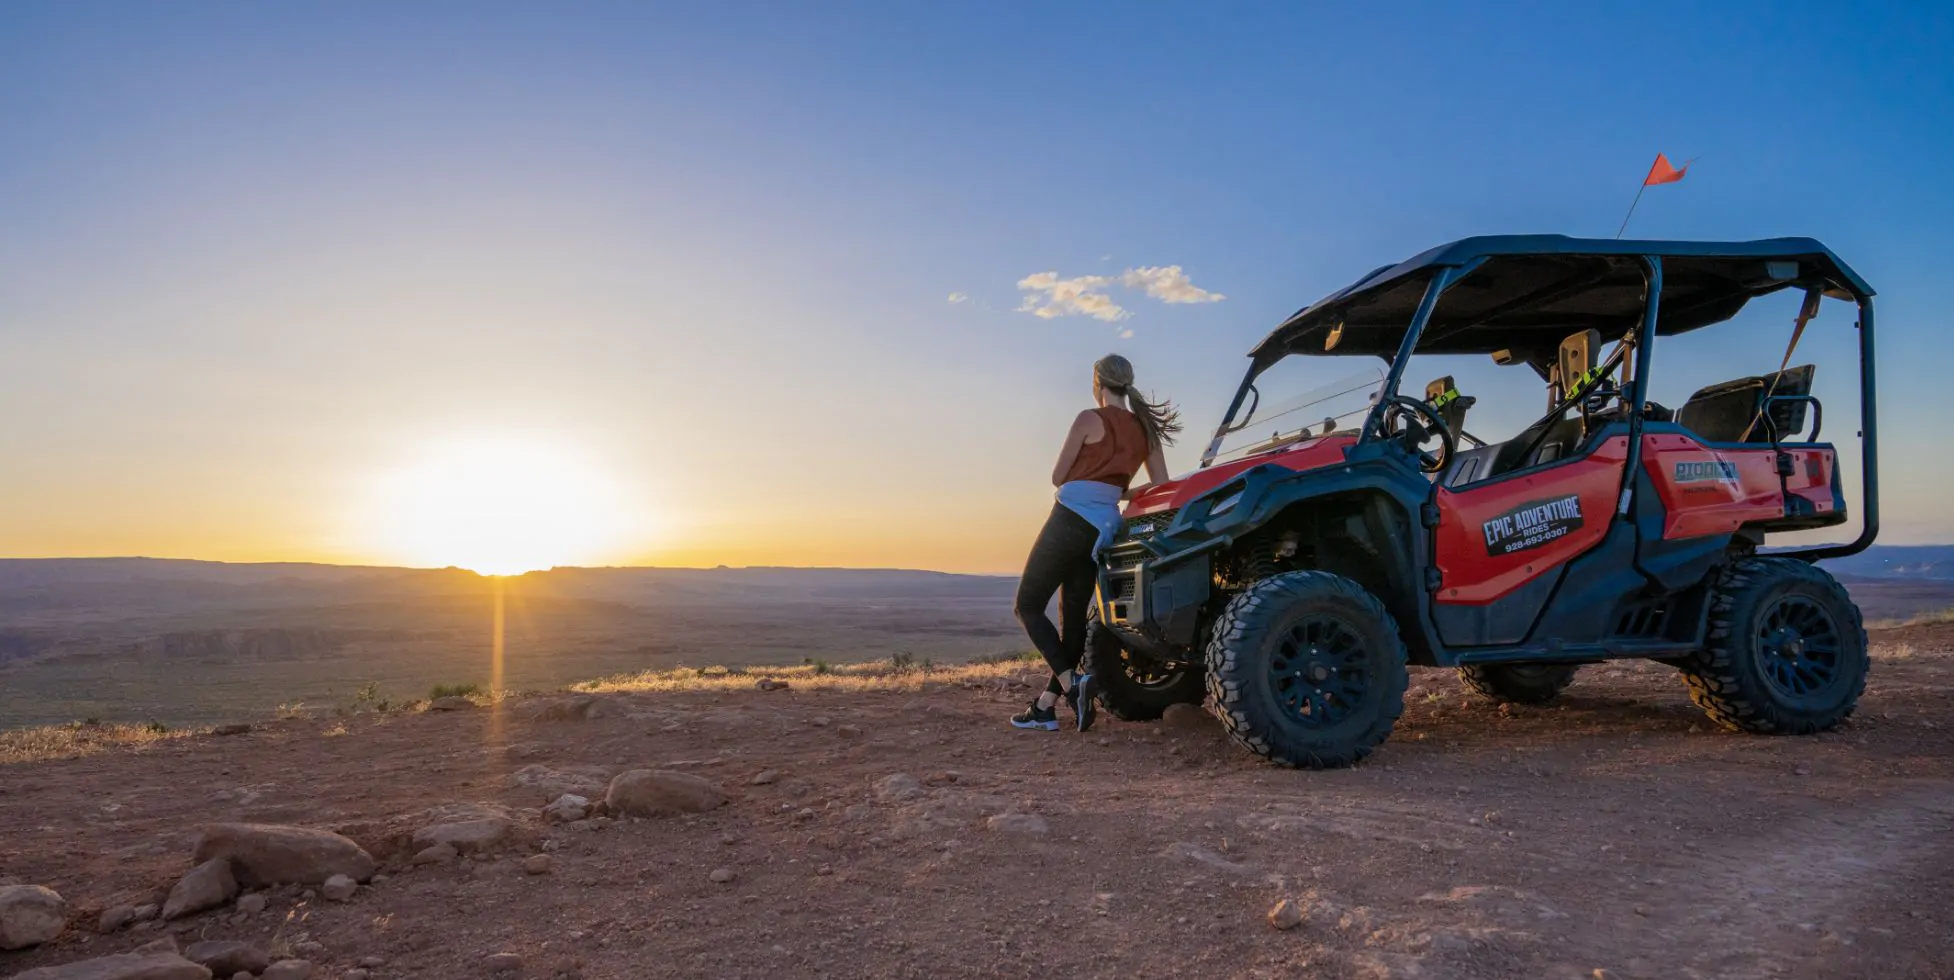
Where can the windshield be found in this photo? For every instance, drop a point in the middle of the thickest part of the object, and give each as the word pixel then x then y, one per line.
pixel 1301 398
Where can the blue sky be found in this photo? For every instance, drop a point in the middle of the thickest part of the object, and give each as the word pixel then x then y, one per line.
pixel 251 255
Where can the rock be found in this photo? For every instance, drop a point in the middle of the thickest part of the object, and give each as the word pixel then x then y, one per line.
pixel 848 731
pixel 114 918
pixel 1286 915
pixel 146 912
pixel 127 966
pixel 549 783
pixel 167 944
pixel 453 702
pixel 339 888
pixel 253 903
pixel 470 827
pixel 577 707
pixel 373 962
pixel 769 684
pixel 722 876
pixel 207 886
pixel 236 728
pixel 897 788
pixel 658 793
pixel 438 854
pixel 502 963
pixel 1185 851
pixel 536 864
pixel 1185 716
pixel 354 974
pixel 275 854
pixel 288 970
pixel 30 915
pixel 568 808
pixel 1018 823
pixel 226 959
pixel 766 777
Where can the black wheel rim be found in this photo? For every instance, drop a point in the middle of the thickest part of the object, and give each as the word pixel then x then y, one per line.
pixel 1799 647
pixel 1320 671
pixel 1146 673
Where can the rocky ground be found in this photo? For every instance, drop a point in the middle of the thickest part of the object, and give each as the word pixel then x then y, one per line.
pixel 876 832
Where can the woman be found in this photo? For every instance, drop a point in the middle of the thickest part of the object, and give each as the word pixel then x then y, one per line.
pixel 1103 451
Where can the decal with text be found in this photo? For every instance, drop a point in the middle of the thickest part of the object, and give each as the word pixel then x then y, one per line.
pixel 1532 525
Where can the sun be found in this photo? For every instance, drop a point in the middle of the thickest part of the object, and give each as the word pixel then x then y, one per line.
pixel 500 508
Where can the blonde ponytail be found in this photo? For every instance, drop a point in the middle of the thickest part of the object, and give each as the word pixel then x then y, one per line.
pixel 1159 420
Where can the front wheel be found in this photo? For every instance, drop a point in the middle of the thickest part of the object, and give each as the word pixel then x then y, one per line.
pixel 1132 688
pixel 1306 669
pixel 1786 653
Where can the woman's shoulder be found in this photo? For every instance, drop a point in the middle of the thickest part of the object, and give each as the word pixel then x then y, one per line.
pixel 1091 423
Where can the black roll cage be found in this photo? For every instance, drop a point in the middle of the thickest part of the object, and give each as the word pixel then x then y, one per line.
pixel 1635 393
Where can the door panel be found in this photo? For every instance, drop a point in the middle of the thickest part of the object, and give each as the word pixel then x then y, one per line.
pixel 1496 536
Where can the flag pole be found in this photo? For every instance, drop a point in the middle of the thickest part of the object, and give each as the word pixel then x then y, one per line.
pixel 1631 207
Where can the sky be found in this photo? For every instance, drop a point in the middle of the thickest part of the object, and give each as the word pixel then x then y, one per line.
pixel 821 284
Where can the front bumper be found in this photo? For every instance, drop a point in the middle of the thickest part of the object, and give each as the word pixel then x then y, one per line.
pixel 1154 600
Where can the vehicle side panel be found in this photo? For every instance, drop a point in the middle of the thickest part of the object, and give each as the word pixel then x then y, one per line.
pixel 1707 490
pixel 1495 536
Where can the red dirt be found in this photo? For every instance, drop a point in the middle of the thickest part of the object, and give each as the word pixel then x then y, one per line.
pixel 1616 832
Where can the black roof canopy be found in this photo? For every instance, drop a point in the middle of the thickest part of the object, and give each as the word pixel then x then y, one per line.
pixel 1527 292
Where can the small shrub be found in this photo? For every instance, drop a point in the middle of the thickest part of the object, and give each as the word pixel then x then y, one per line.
pixel 902 660
pixel 453 691
pixel 820 666
pixel 156 727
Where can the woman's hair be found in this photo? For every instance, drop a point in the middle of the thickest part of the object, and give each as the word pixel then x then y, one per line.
pixel 1160 420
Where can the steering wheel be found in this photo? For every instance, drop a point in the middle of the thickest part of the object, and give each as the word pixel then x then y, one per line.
pixel 1414 423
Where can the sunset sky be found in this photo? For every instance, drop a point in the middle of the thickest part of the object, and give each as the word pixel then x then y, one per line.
pixel 821 284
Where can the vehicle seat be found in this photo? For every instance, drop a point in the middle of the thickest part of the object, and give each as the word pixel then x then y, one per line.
pixel 1562 439
pixel 1469 465
pixel 1721 412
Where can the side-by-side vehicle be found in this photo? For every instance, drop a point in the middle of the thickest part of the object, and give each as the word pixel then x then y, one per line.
pixel 1289 583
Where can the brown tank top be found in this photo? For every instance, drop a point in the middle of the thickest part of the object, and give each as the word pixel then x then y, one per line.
pixel 1115 458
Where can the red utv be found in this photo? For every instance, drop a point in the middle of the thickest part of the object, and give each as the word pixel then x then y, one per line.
pixel 1290 581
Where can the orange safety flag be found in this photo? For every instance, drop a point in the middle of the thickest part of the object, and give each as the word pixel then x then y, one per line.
pixel 1661 172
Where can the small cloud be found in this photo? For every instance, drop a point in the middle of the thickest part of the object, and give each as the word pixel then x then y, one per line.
pixel 1051 297
pixel 959 298
pixel 1108 257
pixel 1168 284
pixel 1126 334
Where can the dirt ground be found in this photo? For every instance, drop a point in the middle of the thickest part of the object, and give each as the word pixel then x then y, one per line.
pixel 1617 832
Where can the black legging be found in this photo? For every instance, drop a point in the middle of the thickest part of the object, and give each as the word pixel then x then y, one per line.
pixel 1061 561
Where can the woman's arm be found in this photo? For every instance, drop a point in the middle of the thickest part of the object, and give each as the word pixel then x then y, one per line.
pixel 1086 428
pixel 1156 473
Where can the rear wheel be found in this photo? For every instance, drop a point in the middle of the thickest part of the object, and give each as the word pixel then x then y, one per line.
pixel 1133 688
pixel 1786 653
pixel 1306 669
pixel 1518 683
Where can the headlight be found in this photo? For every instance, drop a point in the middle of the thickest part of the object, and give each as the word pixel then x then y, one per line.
pixel 1227 503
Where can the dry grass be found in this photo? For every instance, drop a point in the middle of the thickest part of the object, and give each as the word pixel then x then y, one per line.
pixel 78 739
pixel 1923 619
pixel 1892 651
pixel 881 675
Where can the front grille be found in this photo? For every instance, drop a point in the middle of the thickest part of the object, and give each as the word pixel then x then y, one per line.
pixel 1152 523
pixel 1125 556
